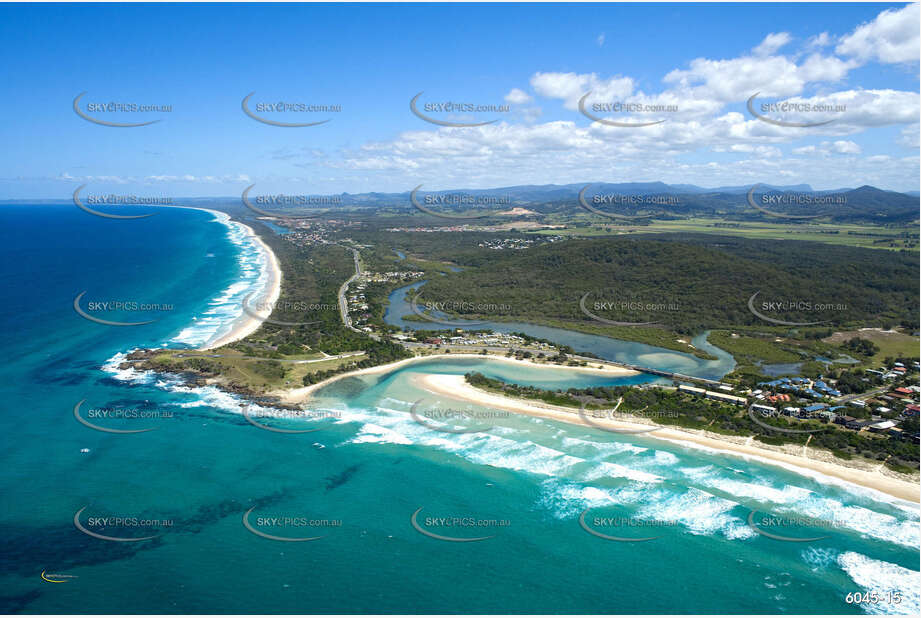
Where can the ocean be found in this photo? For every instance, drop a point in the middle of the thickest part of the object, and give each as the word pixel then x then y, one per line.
pixel 569 519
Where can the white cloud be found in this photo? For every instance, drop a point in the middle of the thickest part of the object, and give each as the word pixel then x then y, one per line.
pixel 570 87
pixel 891 38
pixel 826 149
pixel 600 40
pixel 819 68
pixel 682 148
pixel 845 147
pixel 910 137
pixel 819 40
pixel 516 96
pixel 772 43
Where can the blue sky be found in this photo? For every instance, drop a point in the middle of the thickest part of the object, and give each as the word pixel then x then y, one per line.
pixel 539 59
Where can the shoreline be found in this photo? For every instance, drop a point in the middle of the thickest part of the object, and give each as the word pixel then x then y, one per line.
pixel 456 387
pixel 245 324
pixel 738 446
pixel 297 395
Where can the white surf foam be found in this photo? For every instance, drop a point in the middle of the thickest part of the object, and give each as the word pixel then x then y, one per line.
pixel 224 310
pixel 883 578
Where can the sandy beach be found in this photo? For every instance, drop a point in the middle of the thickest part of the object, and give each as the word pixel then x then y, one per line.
pixel 815 463
pixel 300 394
pixel 246 324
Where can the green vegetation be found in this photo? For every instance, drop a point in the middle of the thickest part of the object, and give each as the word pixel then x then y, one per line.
pixel 245 373
pixel 889 344
pixel 378 353
pixel 749 350
pixel 862 347
pixel 892 237
pixel 685 284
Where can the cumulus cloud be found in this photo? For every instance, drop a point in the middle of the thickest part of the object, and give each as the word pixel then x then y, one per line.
pixel 891 38
pixel 819 40
pixel 829 148
pixel 845 147
pixel 516 96
pixel 570 87
pixel 772 43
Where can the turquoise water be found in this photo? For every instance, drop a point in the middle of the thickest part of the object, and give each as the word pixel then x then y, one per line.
pixel 369 466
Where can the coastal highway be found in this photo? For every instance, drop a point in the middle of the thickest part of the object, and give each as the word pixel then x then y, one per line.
pixel 866 395
pixel 343 289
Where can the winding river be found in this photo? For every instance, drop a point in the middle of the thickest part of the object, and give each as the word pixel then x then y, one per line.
pixel 607 348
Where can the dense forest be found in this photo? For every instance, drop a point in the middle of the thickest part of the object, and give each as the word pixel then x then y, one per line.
pixel 687 283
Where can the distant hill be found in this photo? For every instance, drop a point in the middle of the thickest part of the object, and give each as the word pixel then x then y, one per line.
pixel 865 203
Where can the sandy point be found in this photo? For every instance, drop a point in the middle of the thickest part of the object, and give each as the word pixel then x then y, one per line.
pixel 303 393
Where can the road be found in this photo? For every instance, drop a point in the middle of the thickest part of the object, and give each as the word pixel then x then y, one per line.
pixel 343 289
pixel 870 393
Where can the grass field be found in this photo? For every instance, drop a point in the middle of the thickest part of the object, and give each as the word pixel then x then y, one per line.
pixel 265 375
pixel 891 344
pixel 867 236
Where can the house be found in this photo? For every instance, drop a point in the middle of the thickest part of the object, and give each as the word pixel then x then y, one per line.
pixel 827 415
pixel 764 410
pixel 860 403
pixel 739 401
pixel 903 391
pixel 790 411
pixel 881 426
pixel 844 420
pixel 814 408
